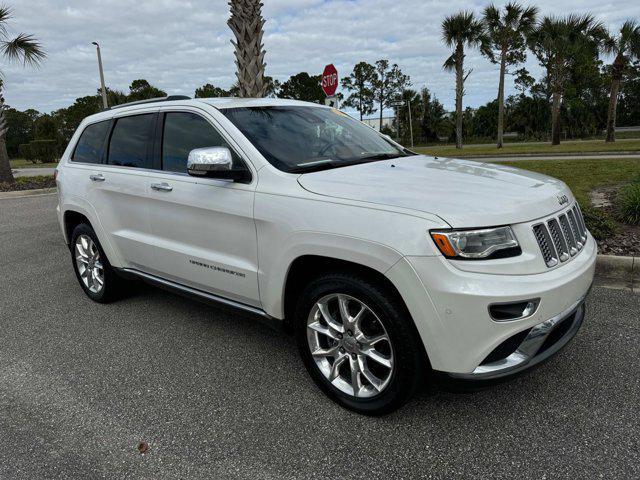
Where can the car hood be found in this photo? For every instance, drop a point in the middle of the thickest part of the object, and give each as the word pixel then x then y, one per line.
pixel 464 193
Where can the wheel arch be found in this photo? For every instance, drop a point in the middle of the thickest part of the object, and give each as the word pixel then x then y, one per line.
pixel 305 268
pixel 71 219
pixel 73 215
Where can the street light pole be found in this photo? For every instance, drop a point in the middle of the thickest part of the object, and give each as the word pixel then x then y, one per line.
pixel 410 124
pixel 103 89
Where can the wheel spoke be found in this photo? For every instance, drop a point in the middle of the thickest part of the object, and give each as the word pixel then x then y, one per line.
pixel 326 315
pixel 343 305
pixel 373 340
pixel 356 383
pixel 326 331
pixel 325 352
pixel 335 368
pixel 371 378
pixel 376 356
pixel 96 278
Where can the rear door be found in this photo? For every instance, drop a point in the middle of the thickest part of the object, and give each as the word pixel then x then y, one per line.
pixel 203 229
pixel 120 193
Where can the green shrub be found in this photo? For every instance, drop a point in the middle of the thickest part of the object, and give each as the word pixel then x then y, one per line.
pixel 44 150
pixel 599 223
pixel 24 149
pixel 629 204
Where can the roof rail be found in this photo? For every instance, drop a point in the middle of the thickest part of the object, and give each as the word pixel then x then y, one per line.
pixel 152 100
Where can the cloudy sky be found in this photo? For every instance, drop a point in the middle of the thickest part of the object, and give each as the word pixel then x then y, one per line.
pixel 181 44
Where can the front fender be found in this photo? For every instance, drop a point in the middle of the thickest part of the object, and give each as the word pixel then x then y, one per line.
pixel 340 247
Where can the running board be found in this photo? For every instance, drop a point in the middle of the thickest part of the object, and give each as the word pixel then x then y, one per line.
pixel 198 294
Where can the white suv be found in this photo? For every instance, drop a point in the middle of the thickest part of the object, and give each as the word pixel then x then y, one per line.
pixel 387 265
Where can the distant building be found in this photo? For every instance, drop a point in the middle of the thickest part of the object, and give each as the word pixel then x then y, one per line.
pixel 375 122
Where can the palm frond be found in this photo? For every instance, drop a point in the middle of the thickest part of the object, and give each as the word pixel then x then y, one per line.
pixel 450 63
pixel 24 48
pixel 6 14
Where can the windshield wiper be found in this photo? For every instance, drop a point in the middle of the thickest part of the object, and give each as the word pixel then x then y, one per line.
pixel 380 156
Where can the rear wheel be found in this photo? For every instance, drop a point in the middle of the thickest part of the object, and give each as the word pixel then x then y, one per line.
pixel 358 343
pixel 93 270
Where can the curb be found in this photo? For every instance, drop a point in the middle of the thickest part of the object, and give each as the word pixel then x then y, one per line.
pixel 28 193
pixel 626 269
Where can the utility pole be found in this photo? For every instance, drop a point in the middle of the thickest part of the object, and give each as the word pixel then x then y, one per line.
pixel 103 89
pixel 410 124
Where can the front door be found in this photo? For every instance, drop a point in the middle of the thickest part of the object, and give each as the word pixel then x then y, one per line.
pixel 203 229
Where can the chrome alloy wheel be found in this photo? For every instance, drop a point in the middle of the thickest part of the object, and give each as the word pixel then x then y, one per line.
pixel 89 265
pixel 350 345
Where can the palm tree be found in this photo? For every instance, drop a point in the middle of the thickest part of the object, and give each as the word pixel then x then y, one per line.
pixel 458 31
pixel 560 43
pixel 626 48
pixel 507 31
pixel 247 25
pixel 26 50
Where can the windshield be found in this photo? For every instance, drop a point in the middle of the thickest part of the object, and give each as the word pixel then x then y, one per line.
pixel 302 139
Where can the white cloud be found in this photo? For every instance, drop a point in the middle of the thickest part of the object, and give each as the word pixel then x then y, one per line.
pixel 181 44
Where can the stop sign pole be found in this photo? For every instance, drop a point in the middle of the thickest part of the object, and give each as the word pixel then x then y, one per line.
pixel 330 85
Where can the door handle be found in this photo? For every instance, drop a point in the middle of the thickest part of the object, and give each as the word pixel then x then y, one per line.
pixel 97 178
pixel 161 187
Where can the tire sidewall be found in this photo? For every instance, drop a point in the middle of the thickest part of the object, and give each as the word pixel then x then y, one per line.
pixel 393 317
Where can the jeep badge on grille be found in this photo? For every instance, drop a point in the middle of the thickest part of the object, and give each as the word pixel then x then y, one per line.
pixel 562 199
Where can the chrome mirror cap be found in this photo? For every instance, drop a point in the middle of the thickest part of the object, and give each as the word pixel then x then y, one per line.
pixel 209 162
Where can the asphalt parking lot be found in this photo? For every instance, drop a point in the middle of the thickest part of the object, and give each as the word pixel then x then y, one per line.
pixel 219 395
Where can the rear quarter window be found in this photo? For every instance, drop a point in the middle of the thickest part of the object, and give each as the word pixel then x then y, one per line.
pixel 89 147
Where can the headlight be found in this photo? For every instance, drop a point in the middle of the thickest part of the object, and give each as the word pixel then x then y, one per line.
pixel 477 244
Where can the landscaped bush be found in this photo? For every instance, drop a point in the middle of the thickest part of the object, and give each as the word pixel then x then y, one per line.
pixel 629 204
pixel 39 151
pixel 44 150
pixel 24 149
pixel 599 223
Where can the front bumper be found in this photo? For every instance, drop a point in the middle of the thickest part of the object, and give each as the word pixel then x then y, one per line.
pixel 541 342
pixel 450 310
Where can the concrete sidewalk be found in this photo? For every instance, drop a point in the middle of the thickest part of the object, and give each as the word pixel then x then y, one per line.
pixel 580 156
pixel 32 172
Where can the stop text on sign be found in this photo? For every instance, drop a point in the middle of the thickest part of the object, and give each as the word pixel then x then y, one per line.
pixel 329 80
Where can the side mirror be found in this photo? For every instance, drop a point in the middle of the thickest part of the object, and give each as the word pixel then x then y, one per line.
pixel 215 162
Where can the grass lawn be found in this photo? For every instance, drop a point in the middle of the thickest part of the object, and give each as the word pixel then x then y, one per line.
pixel 582 176
pixel 22 163
pixel 527 148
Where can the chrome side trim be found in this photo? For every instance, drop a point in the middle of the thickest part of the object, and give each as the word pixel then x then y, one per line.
pixel 195 292
pixel 525 355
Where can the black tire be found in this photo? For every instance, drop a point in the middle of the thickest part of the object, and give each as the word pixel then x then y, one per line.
pixel 112 288
pixel 409 356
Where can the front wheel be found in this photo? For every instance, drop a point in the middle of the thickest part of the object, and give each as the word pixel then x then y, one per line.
pixel 358 343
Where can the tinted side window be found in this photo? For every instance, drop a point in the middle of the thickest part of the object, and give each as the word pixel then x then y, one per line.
pixel 182 133
pixel 89 147
pixel 130 141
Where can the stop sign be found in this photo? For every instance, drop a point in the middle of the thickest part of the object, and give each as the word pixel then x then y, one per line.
pixel 330 80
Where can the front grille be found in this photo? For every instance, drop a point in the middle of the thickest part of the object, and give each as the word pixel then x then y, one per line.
pixel 558 239
pixel 561 237
pixel 546 244
pixel 581 225
pixel 568 234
